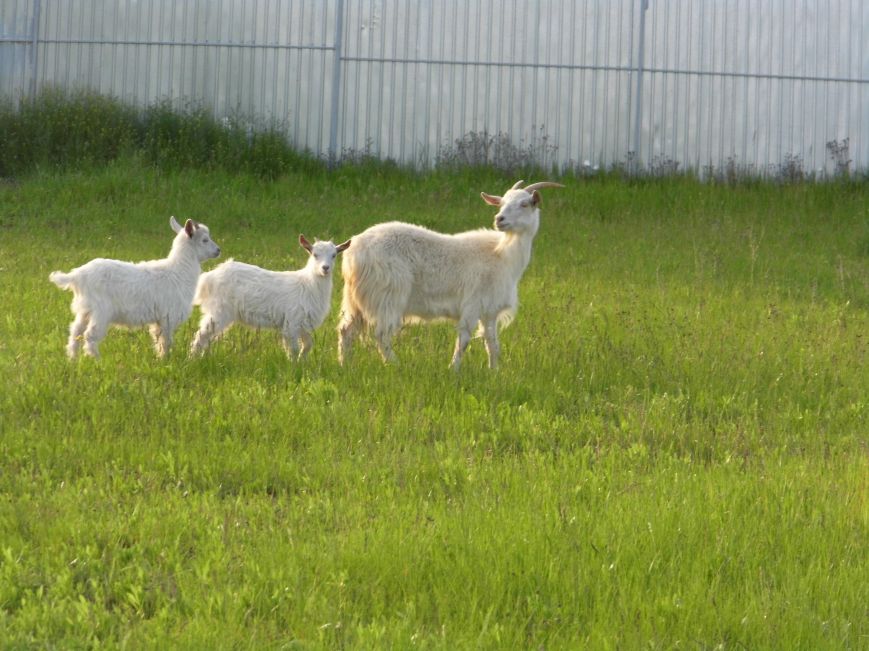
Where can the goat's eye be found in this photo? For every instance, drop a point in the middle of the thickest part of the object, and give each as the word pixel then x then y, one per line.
pixel 524 204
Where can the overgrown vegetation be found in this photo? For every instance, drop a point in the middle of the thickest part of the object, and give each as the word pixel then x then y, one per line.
pixel 484 150
pixel 64 130
pixel 60 130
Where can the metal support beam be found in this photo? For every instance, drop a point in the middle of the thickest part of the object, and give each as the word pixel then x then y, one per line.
pixel 336 84
pixel 34 47
pixel 638 97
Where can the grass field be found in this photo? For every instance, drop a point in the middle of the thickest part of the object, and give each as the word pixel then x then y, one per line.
pixel 673 454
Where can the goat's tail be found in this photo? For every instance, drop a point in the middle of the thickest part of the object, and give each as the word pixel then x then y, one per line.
pixel 203 289
pixel 62 280
pixel 349 308
pixel 372 290
pixel 504 319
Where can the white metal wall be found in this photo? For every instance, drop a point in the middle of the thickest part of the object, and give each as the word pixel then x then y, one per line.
pixel 756 81
pixel 693 82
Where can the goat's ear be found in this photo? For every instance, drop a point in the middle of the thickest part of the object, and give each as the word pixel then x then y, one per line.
pixel 174 225
pixel 535 198
pixel 344 246
pixel 490 199
pixel 189 227
pixel 305 243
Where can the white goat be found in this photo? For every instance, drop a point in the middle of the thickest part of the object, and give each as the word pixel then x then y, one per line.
pixel 158 293
pixel 399 272
pixel 294 302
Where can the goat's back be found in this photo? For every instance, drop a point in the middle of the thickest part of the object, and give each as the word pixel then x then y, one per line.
pixel 116 277
pixel 264 298
pixel 397 271
pixel 239 279
pixel 128 293
pixel 399 249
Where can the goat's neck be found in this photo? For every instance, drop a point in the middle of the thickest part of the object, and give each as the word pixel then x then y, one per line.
pixel 318 283
pixel 516 250
pixel 184 259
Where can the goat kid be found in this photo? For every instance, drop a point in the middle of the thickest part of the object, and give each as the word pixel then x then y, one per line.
pixel 157 293
pixel 294 302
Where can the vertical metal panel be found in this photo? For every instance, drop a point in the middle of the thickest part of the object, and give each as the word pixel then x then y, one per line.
pixel 336 83
pixel 19 37
pixel 13 48
pixel 763 82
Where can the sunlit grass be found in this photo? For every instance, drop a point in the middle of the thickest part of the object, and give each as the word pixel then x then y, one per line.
pixel 673 454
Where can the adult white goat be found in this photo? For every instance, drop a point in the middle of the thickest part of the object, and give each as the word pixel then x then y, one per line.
pixel 399 272
pixel 294 302
pixel 158 293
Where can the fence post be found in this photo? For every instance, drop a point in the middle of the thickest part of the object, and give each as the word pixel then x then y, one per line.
pixel 336 84
pixel 638 99
pixel 34 47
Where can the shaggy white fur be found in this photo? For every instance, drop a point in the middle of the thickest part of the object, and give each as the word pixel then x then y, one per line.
pixel 294 302
pixel 158 293
pixel 398 273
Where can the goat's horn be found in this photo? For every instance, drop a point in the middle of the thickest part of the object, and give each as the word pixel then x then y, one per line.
pixel 517 185
pixel 542 184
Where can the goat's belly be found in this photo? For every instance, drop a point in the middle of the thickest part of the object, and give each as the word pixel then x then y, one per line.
pixel 432 309
pixel 294 319
pixel 258 319
pixel 134 316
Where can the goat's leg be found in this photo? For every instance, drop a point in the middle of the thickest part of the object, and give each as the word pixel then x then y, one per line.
pixel 307 344
pixel 156 332
pixel 291 342
pixel 462 341
pixel 383 333
pixel 164 342
pixel 210 328
pixel 161 333
pixel 349 328
pixel 490 334
pixel 94 334
pixel 76 330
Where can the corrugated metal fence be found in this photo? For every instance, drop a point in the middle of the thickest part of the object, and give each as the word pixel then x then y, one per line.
pixel 746 84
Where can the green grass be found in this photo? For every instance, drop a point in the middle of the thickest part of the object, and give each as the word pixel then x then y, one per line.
pixel 673 454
